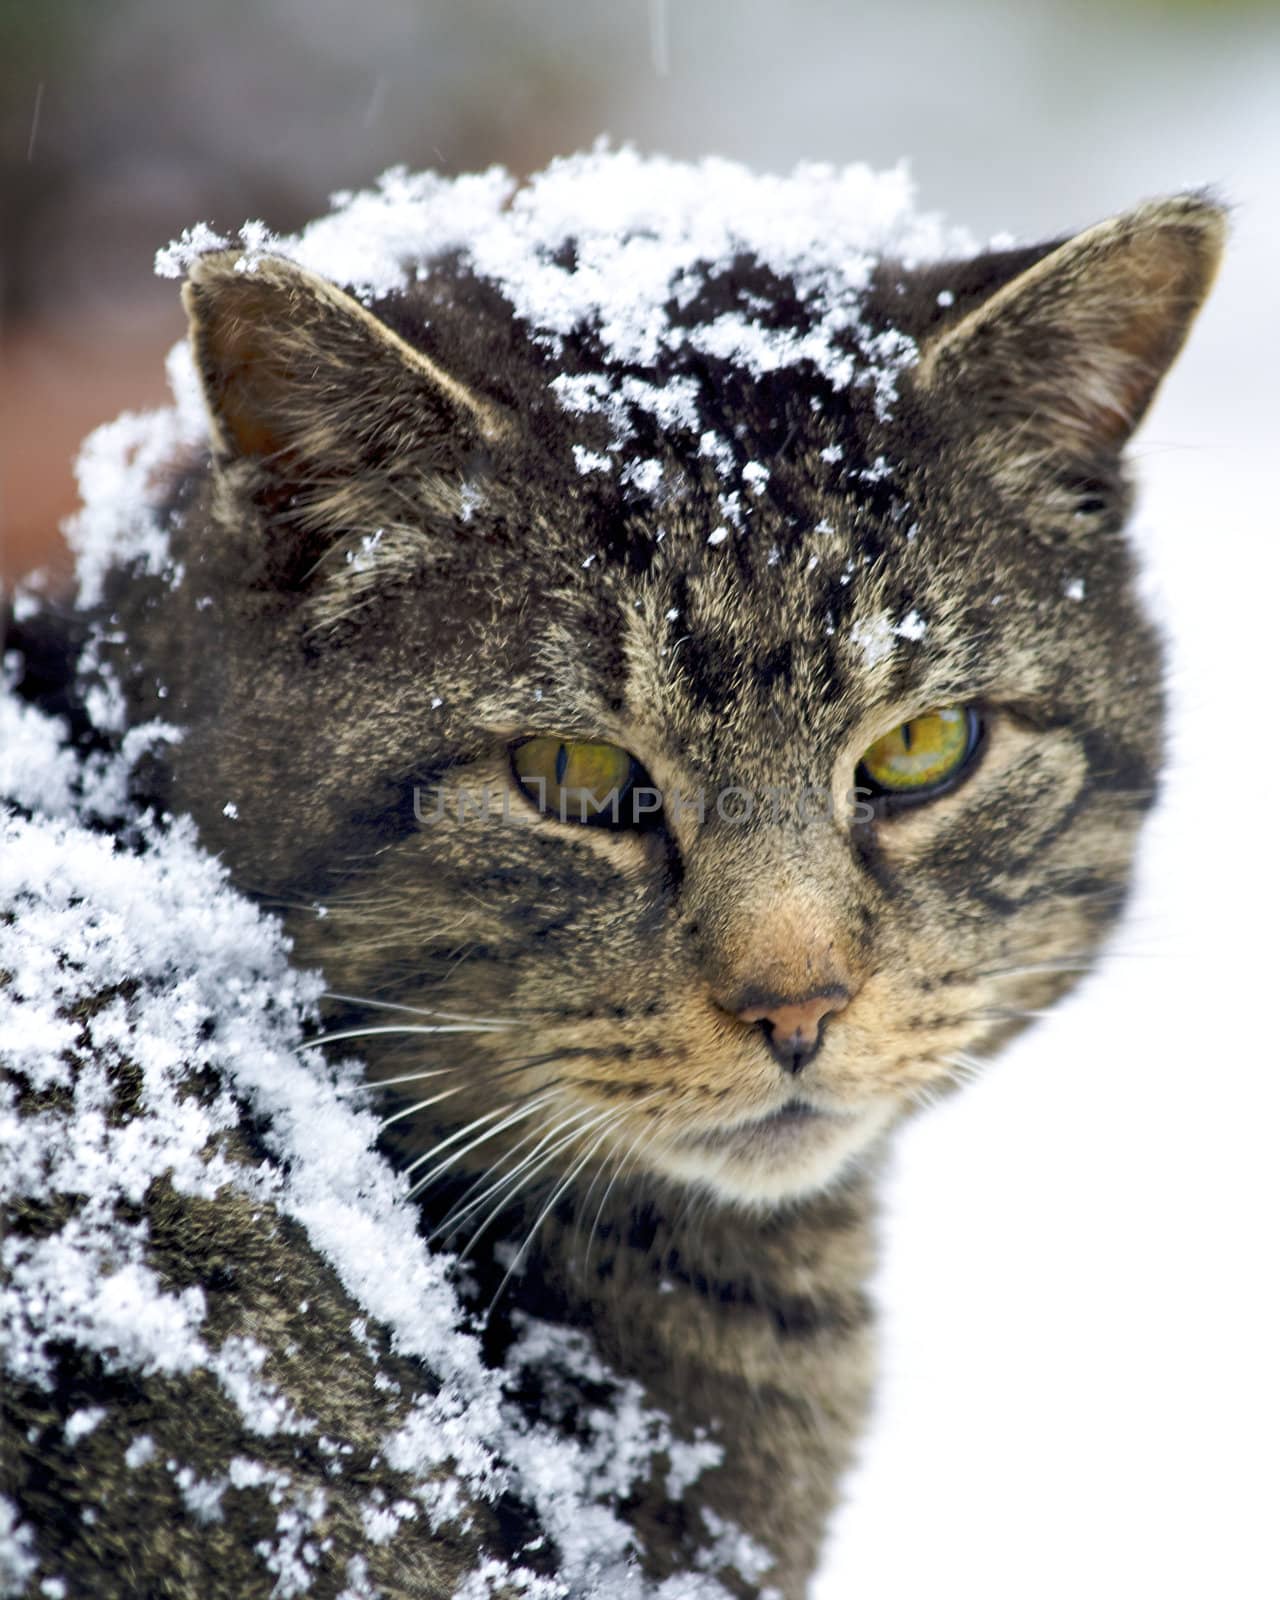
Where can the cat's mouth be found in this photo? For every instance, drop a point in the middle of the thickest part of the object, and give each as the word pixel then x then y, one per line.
pixel 789 1125
pixel 799 1148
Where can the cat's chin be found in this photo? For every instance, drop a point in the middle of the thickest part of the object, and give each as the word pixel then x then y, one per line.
pixel 791 1154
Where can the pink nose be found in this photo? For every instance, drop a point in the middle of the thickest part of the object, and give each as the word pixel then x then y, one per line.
pixel 793 1028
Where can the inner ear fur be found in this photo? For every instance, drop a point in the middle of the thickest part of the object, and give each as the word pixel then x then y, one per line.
pixel 302 380
pixel 1066 357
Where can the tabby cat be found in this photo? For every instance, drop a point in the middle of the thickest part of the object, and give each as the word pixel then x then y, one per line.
pixel 681 763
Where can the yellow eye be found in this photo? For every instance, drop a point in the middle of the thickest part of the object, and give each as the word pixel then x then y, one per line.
pixel 922 755
pixel 574 780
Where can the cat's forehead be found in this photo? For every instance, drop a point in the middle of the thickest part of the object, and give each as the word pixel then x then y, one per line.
pixel 699 381
pixel 731 523
pixel 789 637
pixel 775 628
pixel 762 569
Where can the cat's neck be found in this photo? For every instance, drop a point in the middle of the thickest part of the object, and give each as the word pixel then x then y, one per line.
pixel 754 1329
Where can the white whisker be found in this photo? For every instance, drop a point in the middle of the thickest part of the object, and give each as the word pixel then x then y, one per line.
pixel 591 1187
pixel 613 1114
pixel 961 1068
pixel 420 1105
pixel 401 1028
pixel 645 1136
pixel 1036 968
pixel 419 1011
pixel 437 1171
pixel 525 1173
pixel 458 1133
pixel 408 1077
pixel 465 1204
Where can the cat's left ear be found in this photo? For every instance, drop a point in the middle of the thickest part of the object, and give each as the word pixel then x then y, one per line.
pixel 307 385
pixel 1066 358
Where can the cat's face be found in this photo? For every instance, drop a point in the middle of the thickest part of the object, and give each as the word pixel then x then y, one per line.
pixel 817 921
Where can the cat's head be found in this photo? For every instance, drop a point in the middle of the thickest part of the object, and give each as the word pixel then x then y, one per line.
pixel 856 646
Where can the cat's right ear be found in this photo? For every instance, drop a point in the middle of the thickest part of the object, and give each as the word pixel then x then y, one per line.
pixel 1061 363
pixel 304 383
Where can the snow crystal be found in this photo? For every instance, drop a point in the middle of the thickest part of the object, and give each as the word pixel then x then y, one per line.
pixel 202 1496
pixel 721 452
pixel 36 769
pixel 1075 589
pixel 141 1451
pixel 913 626
pixel 733 1548
pixel 82 1422
pixel 358 1585
pixel 875 638
pixel 689 1461
pixel 731 508
pixel 717 535
pixel 25 605
pixel 18 1562
pixel 579 392
pixel 470 500
pixel 238 1366
pixel 643 475
pixel 175 260
pixel 382 1523
pixel 876 635
pixel 590 460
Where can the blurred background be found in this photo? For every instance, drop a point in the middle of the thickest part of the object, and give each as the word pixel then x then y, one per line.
pixel 1081 1313
pixel 122 122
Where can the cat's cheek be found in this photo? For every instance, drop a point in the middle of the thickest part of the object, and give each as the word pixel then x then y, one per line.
pixel 1014 761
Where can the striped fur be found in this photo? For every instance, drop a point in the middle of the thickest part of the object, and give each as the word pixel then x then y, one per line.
pixel 410 572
